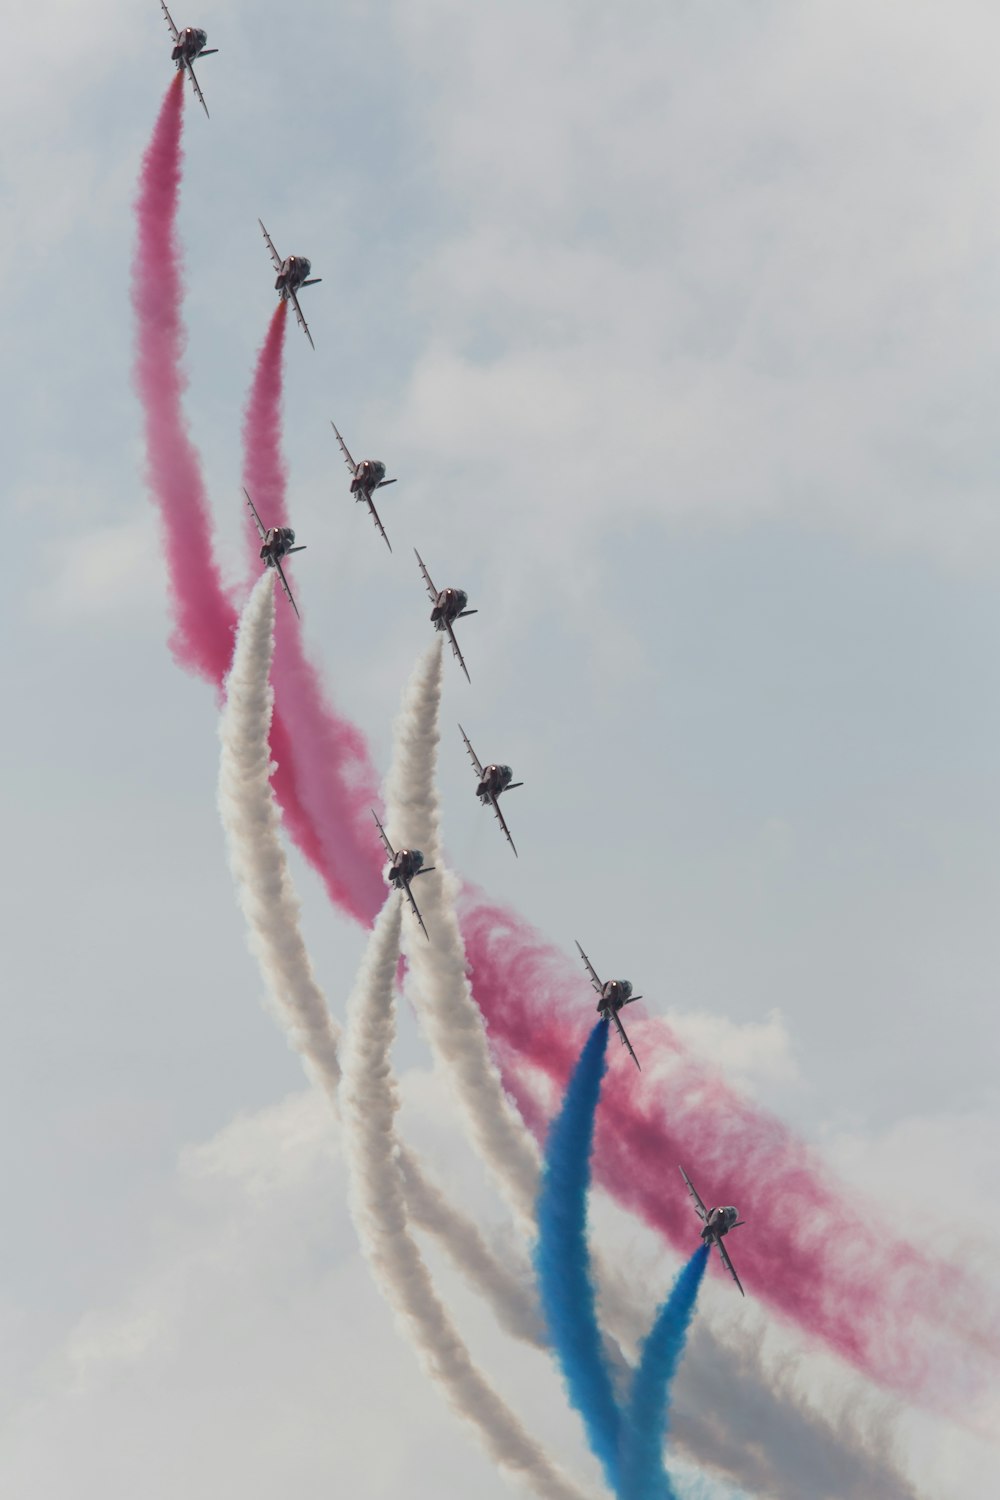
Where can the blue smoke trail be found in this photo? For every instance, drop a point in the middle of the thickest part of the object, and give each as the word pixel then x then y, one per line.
pixel 562 1260
pixel 644 1477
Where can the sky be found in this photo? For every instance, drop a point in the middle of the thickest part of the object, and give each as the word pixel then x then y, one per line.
pixel 677 325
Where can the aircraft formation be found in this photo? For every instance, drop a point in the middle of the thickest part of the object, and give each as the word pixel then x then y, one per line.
pixel 448 605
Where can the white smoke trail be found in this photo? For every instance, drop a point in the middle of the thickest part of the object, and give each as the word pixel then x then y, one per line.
pixel 252 823
pixel 448 1011
pixel 715 1432
pixel 369 1102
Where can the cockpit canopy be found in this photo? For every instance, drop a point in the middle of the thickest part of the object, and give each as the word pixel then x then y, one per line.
pixel 625 987
pixel 461 597
pixel 505 772
pixel 289 536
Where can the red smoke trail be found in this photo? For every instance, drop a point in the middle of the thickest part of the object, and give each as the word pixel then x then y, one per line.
pixel 333 773
pixel 204 619
pixel 844 1278
pixel 807 1252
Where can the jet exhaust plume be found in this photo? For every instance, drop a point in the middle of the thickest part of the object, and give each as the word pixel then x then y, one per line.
pixel 370 1104
pixel 271 907
pixel 648 1410
pixel 562 1257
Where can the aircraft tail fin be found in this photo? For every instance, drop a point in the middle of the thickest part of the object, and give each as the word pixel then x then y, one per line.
pixel 295 549
pixel 207 52
pixel 466 612
pixel 313 281
pixel 383 482
pixel 512 785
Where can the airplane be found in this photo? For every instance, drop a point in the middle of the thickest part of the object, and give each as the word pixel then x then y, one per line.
pixel 276 542
pixel 293 273
pixel 492 781
pixel 368 476
pixel 188 44
pixel 449 606
pixel 718 1221
pixel 614 994
pixel 406 865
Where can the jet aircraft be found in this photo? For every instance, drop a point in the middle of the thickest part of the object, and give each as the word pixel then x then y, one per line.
pixel 188 44
pixel 293 273
pixel 614 993
pixel 718 1221
pixel 449 606
pixel 406 865
pixel 367 477
pixel 276 542
pixel 492 781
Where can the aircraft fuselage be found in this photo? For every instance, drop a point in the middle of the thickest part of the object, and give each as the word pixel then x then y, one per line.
pixel 189 45
pixel 615 994
pixel 448 606
pixel 718 1223
pixel 278 541
pixel 495 779
pixel 370 474
pixel 408 862
pixel 293 273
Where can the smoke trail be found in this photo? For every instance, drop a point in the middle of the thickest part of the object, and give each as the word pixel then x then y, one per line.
pixel 203 617
pixel 333 774
pixel 370 1103
pixel 447 1010
pixel 643 1474
pixel 562 1259
pixel 270 905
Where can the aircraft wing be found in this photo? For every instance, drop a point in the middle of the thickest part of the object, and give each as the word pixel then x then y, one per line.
pixel 503 824
pixel 253 511
pixel 270 245
pixel 729 1266
pixel 382 835
pixel 378 523
pixel 622 1036
pixel 472 754
pixel 460 658
pixel 427 578
pixel 343 448
pixel 284 585
pixel 416 910
pixel 301 320
pixel 170 22
pixel 598 986
pixel 700 1208
pixel 197 89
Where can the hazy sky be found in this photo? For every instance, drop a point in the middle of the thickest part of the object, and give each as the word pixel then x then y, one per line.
pixel 679 325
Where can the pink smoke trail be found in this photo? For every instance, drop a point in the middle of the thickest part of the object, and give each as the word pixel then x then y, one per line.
pixel 204 618
pixel 332 769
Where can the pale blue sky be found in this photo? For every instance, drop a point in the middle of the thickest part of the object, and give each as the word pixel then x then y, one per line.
pixel 680 331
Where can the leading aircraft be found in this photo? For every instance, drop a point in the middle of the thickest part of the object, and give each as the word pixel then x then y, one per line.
pixel 449 606
pixel 614 993
pixel 276 542
pixel 492 781
pixel 188 44
pixel 367 477
pixel 293 272
pixel 406 865
pixel 718 1221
